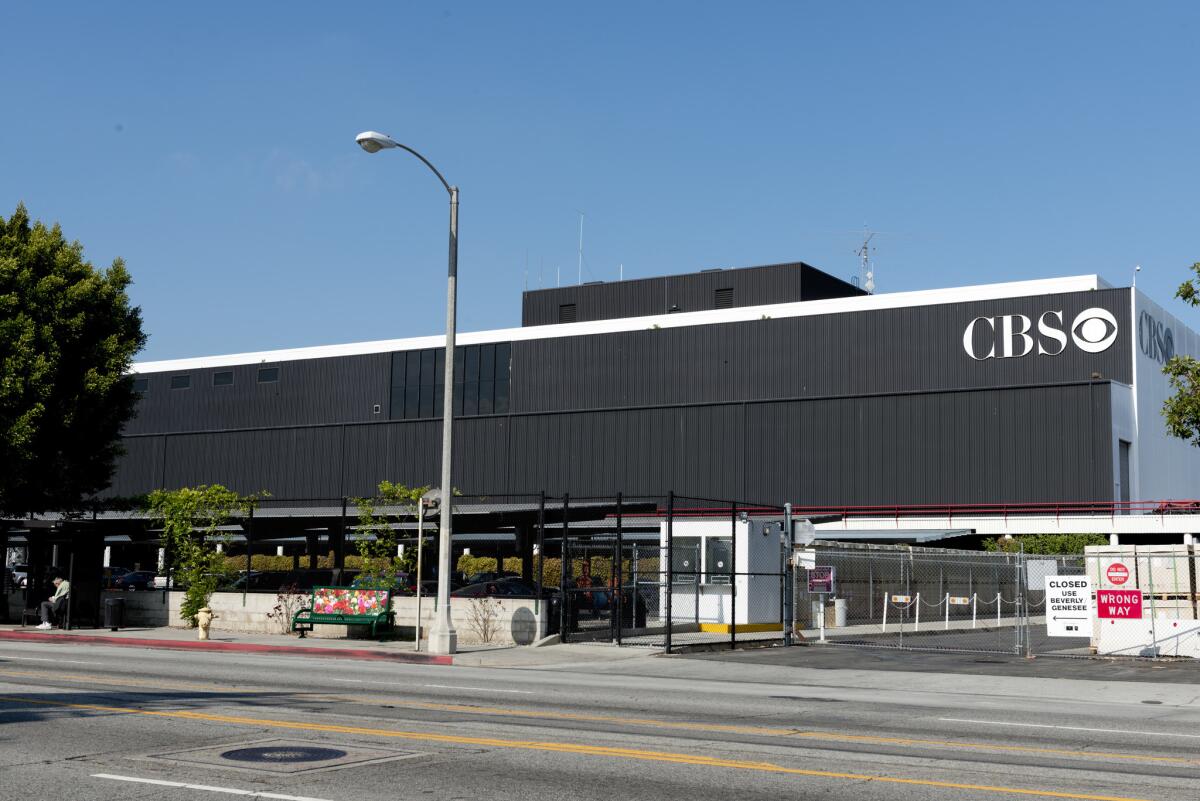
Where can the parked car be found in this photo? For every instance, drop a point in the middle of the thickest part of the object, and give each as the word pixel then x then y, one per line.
pixel 429 587
pixel 111 574
pixel 478 578
pixel 512 587
pixel 134 580
pixel 274 580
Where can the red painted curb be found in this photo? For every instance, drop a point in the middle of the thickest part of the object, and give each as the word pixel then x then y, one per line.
pixel 239 647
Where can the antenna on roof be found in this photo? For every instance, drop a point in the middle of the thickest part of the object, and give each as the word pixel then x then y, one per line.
pixel 866 271
pixel 621 271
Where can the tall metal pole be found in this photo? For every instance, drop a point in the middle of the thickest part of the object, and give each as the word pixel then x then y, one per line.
pixel 420 555
pixel 670 567
pixel 789 598
pixel 443 639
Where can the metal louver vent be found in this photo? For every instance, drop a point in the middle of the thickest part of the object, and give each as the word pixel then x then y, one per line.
pixel 723 298
pixel 567 313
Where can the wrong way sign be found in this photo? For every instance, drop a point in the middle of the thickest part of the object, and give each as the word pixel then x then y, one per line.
pixel 1068 606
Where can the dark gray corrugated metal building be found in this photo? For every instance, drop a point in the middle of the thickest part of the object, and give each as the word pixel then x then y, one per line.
pixel 769 384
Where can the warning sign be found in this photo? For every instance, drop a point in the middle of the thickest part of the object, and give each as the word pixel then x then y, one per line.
pixel 901 599
pixel 820 579
pixel 1119 604
pixel 1117 573
pixel 1068 606
pixel 959 600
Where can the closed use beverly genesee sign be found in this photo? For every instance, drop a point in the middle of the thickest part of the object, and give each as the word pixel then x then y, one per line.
pixel 1068 606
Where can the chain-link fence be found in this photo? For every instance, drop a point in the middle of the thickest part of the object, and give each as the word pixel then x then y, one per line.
pixel 1132 601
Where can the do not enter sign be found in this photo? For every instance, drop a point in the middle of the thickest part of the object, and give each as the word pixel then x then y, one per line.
pixel 1117 573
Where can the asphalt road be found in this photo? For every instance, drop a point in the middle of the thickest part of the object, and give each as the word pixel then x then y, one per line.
pixel 94 722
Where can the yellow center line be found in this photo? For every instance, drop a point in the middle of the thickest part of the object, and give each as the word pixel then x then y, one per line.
pixel 644 722
pixel 569 748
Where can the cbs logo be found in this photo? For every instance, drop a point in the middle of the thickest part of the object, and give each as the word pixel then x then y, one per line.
pixel 1010 336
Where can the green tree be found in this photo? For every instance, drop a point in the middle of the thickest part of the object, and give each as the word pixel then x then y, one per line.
pixel 380 565
pixel 191 518
pixel 68 335
pixel 1182 409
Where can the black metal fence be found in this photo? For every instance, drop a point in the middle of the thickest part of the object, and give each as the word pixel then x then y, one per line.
pixel 674 572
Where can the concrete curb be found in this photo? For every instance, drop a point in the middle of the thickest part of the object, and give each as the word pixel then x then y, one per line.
pixel 237 647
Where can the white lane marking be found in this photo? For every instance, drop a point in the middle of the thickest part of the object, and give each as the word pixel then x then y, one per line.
pixel 45 659
pixel 356 681
pixel 1070 728
pixel 205 787
pixel 479 689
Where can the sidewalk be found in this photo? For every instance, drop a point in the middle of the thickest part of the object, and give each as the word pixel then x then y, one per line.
pixel 389 651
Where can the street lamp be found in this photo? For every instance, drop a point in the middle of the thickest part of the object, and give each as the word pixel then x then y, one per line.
pixel 443 639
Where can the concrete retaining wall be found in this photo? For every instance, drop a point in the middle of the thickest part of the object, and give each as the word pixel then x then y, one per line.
pixel 514 622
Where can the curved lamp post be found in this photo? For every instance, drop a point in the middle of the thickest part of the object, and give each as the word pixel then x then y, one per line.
pixel 443 639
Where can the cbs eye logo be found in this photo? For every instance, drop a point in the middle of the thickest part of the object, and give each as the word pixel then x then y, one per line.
pixel 1094 330
pixel 1009 336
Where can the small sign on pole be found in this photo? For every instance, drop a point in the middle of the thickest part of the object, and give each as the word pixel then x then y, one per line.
pixel 901 599
pixel 820 579
pixel 960 600
pixel 1068 606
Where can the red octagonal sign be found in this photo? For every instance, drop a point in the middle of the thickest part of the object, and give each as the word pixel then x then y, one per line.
pixel 1118 574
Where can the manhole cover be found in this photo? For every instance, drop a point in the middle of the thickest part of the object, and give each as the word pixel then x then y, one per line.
pixel 283 754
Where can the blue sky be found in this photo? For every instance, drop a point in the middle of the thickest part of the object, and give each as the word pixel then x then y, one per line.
pixel 212 146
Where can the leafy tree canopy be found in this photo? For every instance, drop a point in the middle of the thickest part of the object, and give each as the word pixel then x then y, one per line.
pixel 1182 410
pixel 68 335
pixel 377 542
pixel 191 518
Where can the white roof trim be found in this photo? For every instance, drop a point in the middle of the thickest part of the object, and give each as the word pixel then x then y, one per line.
pixel 808 308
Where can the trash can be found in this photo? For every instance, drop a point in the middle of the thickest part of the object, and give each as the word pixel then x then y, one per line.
pixel 114 613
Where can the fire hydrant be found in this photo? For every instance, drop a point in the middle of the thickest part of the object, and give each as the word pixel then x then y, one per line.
pixel 204 619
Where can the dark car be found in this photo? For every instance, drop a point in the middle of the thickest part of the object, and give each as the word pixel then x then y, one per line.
pixel 134 580
pixel 511 587
pixel 111 574
pixel 479 578
pixel 429 587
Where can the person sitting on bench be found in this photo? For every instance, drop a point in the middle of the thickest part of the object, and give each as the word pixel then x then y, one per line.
pixel 50 610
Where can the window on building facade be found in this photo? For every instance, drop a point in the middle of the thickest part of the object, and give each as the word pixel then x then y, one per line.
pixel 223 378
pixel 181 381
pixel 268 375
pixel 141 385
pixel 481 381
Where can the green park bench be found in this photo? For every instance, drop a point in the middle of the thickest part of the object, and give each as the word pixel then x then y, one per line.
pixel 346 606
